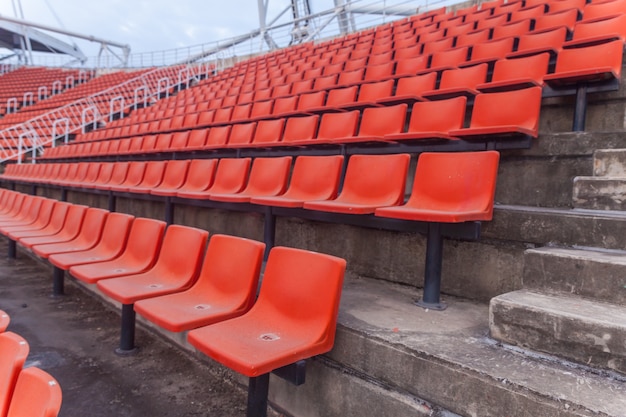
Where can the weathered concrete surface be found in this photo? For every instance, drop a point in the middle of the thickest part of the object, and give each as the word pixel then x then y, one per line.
pixel 585 331
pixel 600 193
pixel 559 227
pixel 399 257
pixel 591 273
pixel 447 359
pixel 609 162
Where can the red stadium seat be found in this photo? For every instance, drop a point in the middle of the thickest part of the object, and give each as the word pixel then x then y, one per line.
pixel 371 181
pixel 36 394
pixel 226 287
pixel 294 318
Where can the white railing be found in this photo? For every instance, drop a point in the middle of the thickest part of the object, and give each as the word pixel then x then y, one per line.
pixel 31 136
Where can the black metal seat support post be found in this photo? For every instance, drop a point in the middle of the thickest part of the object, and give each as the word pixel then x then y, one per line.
pixel 580 111
pixel 127 334
pixel 258 388
pixel 12 252
pixel 58 282
pixel 432 273
pixel 269 231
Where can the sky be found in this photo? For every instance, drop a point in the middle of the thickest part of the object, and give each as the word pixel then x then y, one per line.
pixel 151 25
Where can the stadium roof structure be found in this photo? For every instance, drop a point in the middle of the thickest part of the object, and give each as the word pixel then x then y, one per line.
pixel 23 37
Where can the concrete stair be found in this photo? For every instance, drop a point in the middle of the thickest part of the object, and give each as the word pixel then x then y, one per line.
pixel 573 301
pixel 606 189
pixel 575 328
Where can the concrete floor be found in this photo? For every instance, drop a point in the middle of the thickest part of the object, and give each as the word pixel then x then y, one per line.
pixel 73 338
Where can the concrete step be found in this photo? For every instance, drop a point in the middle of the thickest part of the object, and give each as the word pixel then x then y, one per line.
pixel 578 329
pixel 609 163
pixel 559 227
pixel 587 272
pixel 600 193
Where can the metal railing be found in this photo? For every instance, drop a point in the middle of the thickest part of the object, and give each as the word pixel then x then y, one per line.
pixel 31 136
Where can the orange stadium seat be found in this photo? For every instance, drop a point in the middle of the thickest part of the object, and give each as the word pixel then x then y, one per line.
pixel 371 181
pixel 226 287
pixel 36 394
pixel 13 352
pixel 230 177
pixel 294 318
pixel 176 269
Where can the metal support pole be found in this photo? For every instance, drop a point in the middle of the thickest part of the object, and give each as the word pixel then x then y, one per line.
pixel 269 231
pixel 258 388
pixel 111 202
pixel 169 211
pixel 580 112
pixel 12 249
pixel 432 274
pixel 58 283
pixel 127 334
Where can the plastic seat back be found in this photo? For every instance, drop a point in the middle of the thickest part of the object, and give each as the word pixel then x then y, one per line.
pixel 491 51
pixel 300 128
pixel 175 174
pixel 104 175
pixel 268 131
pixel 180 255
pixel 438 116
pixel 613 27
pixel 306 184
pixel 197 138
pixel 451 187
pixel 143 244
pixel 110 245
pixel 231 176
pixel 371 181
pixel 518 108
pixel 449 58
pixel 200 175
pixel 135 174
pixel 462 80
pixel 226 287
pixel 119 174
pixel 601 10
pixel 309 101
pixel 375 179
pixel 341 96
pixel 241 134
pixel 294 318
pixel 528 70
pixel 565 19
pixel 268 176
pixel 338 125
pixel 37 394
pixel 218 136
pixel 153 175
pixel 380 121
pixel 588 64
pixel 42 219
pixel 13 352
pixel 549 40
pixel 372 92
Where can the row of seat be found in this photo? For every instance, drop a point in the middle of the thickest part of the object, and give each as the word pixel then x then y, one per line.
pixel 573 66
pixel 371 181
pixel 137 261
pixel 494 116
pixel 24 392
pixel 448 188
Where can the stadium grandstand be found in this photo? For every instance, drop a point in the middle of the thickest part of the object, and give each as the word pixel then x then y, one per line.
pixel 379 209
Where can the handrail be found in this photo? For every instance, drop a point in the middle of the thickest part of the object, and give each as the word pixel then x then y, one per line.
pixel 99 104
pixel 66 133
